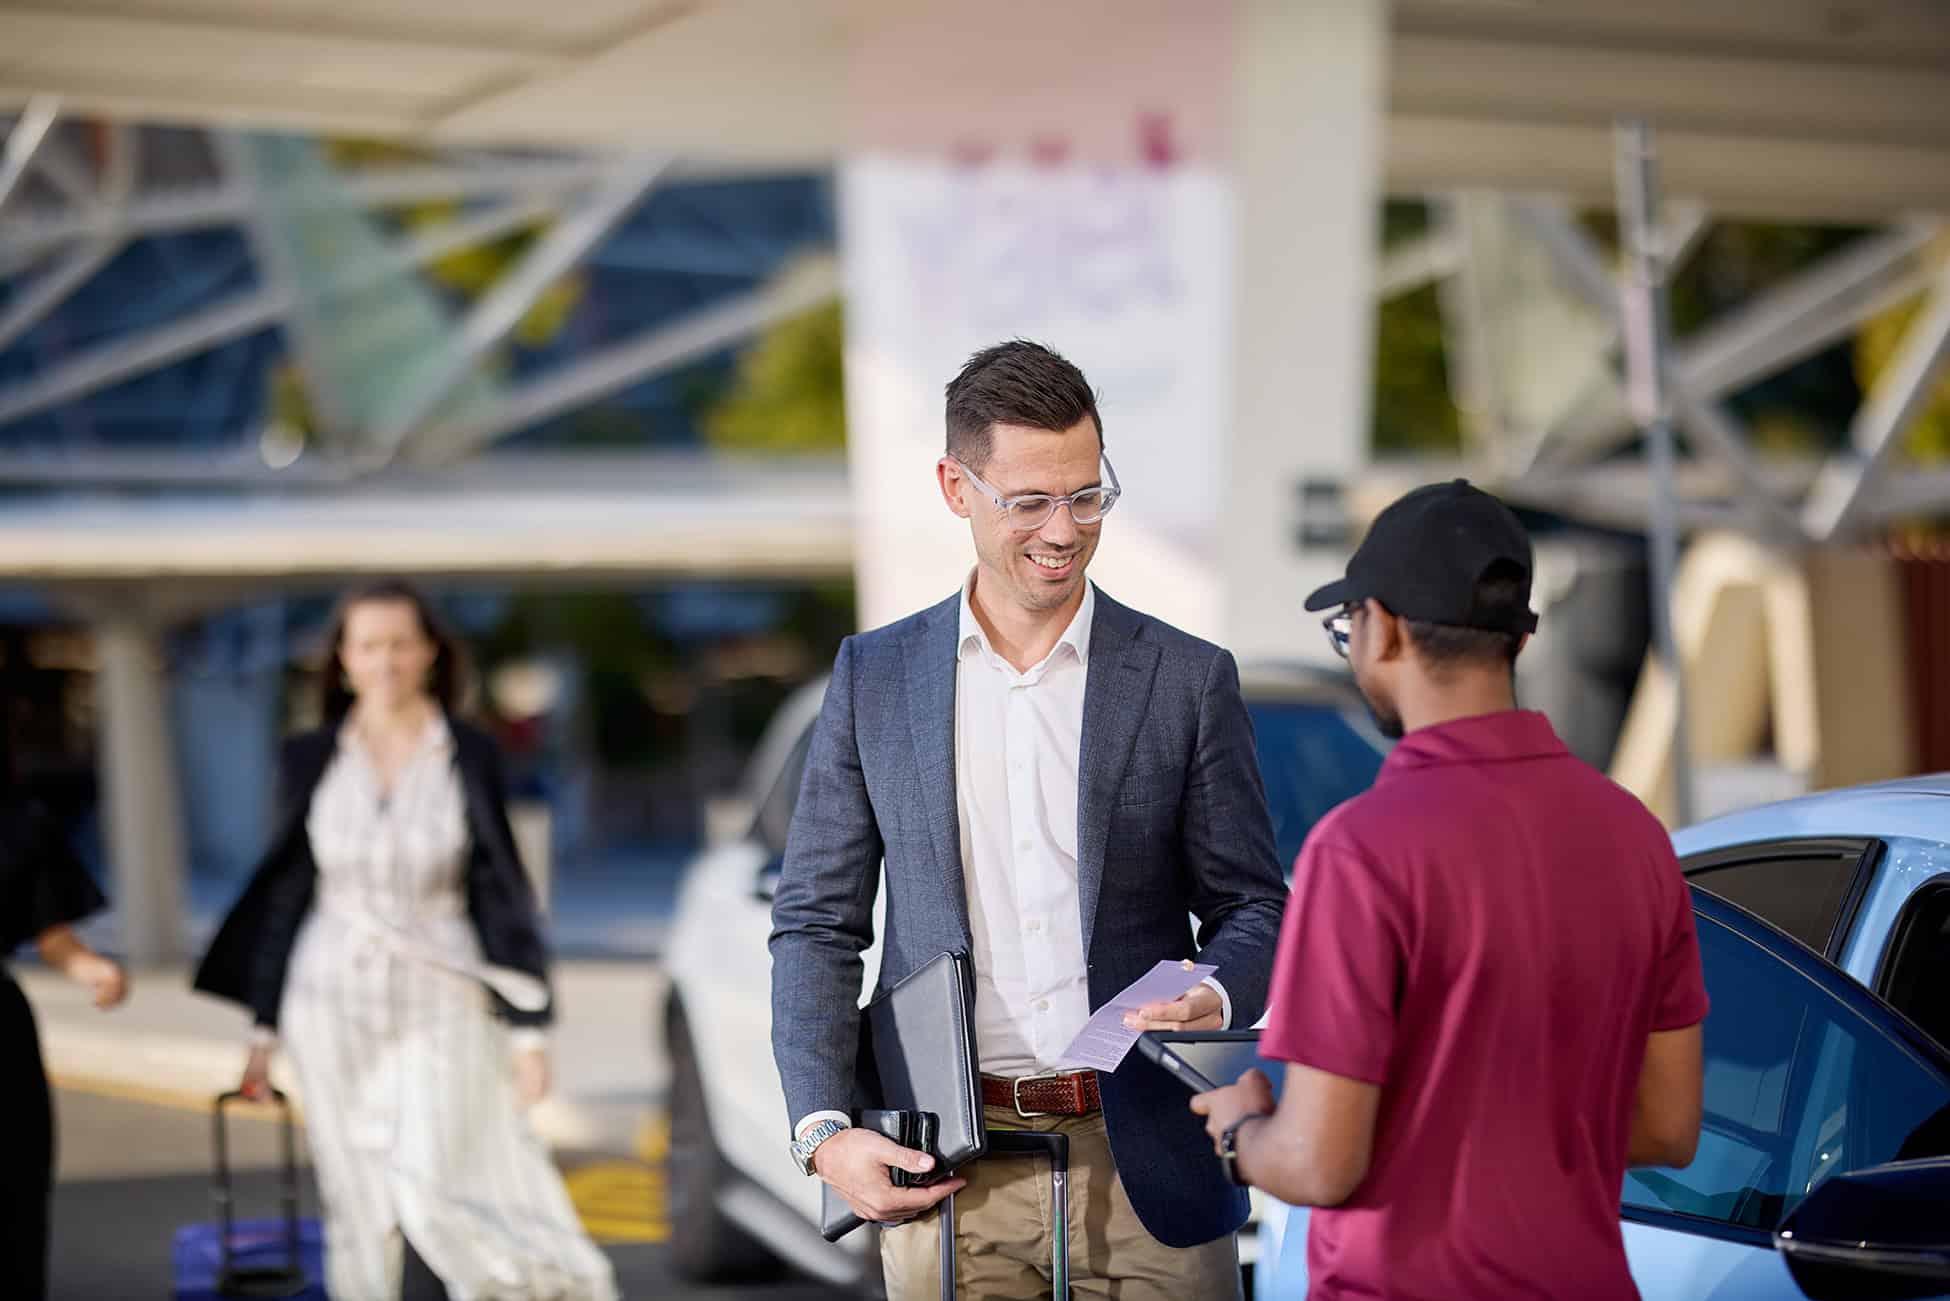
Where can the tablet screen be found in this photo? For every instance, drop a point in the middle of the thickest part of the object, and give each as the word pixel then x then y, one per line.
pixel 1223 1056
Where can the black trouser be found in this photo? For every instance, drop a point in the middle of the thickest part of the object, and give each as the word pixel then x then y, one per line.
pixel 27 1156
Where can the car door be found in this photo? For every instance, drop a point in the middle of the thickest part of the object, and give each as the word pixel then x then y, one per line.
pixel 1807 1074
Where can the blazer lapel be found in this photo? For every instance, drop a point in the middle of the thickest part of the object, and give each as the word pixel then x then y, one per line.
pixel 1122 665
pixel 931 663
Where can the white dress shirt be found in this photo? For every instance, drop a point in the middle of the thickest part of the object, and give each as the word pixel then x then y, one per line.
pixel 1018 737
pixel 1017 740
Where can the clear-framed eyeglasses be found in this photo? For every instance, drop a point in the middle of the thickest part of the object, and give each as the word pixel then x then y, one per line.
pixel 1340 629
pixel 1029 512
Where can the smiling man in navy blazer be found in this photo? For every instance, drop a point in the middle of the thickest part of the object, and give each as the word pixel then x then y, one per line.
pixel 1059 785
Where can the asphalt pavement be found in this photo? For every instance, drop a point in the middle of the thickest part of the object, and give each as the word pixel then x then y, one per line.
pixel 133 1167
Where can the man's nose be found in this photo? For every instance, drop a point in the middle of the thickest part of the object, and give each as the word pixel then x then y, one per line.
pixel 1061 530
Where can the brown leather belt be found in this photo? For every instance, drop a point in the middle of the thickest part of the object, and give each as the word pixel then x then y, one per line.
pixel 1073 1093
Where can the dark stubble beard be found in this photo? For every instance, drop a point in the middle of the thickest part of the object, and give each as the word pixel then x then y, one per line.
pixel 1386 721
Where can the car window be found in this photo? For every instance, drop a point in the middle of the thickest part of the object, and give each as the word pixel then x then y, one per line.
pixel 775 811
pixel 1802 894
pixel 1311 759
pixel 1917 980
pixel 1799 1086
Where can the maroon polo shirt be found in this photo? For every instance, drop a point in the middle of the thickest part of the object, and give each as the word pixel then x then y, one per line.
pixel 1489 935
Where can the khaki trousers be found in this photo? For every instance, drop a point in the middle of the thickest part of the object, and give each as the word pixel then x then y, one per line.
pixel 1003 1220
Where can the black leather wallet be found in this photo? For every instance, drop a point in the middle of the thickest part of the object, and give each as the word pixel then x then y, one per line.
pixel 915 1129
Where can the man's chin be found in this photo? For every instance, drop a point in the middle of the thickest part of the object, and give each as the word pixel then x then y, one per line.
pixel 1388 723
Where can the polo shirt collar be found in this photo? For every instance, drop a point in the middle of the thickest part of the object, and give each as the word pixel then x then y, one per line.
pixel 1484 738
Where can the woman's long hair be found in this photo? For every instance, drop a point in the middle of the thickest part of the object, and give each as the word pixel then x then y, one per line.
pixel 447 683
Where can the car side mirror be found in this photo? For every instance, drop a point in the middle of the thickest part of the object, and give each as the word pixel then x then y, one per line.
pixel 1880 1232
pixel 766 885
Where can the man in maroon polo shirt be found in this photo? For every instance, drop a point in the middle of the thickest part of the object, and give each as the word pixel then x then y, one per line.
pixel 1488 983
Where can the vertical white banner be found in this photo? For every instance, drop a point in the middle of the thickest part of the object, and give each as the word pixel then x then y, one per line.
pixel 1125 270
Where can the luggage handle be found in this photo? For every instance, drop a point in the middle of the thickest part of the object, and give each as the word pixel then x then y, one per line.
pixel 263 1280
pixel 1023 1142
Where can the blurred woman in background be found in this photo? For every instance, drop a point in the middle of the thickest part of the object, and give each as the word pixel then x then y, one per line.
pixel 44 889
pixel 388 924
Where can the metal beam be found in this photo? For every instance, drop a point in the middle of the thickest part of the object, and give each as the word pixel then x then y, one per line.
pixel 450 237
pixel 630 363
pixel 1577 254
pixel 53 288
pixel 1682 227
pixel 24 141
pixel 502 307
pixel 1817 307
pixel 1900 392
pixel 24 240
pixel 1418 262
pixel 66 173
pixel 125 358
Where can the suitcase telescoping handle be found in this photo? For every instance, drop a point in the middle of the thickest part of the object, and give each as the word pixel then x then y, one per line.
pixel 1022 1142
pixel 283 1280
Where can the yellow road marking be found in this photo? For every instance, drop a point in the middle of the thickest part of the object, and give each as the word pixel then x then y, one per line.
pixel 620 1201
pixel 153 1096
pixel 653 1138
pixel 617 1201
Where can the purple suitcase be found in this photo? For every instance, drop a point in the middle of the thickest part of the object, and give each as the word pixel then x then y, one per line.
pixel 250 1258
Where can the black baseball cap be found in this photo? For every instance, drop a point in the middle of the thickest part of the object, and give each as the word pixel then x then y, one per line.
pixel 1424 555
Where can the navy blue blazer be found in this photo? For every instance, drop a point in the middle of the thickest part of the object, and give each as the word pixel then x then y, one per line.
pixel 1172 824
pixel 247 961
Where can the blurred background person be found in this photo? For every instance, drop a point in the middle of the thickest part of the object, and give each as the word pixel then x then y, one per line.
pixel 389 922
pixel 44 889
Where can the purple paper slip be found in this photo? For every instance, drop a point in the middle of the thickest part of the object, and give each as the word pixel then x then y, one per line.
pixel 1105 1039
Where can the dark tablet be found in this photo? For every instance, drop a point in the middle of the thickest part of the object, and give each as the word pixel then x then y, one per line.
pixel 1203 1060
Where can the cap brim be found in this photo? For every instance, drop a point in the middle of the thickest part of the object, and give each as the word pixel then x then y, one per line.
pixel 1342 591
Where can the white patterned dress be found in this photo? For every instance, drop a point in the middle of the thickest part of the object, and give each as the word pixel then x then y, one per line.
pixel 404 1071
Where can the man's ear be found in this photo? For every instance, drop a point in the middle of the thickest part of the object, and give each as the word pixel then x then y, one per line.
pixel 952 486
pixel 1386 633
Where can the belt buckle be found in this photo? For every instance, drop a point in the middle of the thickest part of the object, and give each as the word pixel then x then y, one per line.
pixel 1015 1092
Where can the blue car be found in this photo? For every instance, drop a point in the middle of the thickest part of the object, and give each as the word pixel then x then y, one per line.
pixel 1824 929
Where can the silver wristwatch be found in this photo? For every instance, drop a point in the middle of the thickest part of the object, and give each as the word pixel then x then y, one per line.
pixel 807 1143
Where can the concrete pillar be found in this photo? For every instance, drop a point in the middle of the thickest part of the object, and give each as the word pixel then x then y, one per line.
pixel 142 813
pixel 1309 101
pixel 529 820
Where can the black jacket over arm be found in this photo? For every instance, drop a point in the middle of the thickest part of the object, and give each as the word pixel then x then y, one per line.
pixel 246 963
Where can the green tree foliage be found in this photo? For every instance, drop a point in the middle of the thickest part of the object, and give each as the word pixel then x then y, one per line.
pixel 788 394
pixel 1929 436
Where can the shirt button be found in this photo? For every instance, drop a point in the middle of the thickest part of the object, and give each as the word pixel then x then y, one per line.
pixel 1042 1005
pixel 1033 926
pixel 1023 846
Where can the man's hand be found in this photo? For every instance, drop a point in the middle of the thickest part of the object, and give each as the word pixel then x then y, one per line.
pixel 1223 1108
pixel 1198 1008
pixel 855 1161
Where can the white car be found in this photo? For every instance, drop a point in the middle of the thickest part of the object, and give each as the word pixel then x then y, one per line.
pixel 737 1201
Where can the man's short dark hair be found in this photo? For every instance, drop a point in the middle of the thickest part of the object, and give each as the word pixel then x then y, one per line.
pixel 1444 647
pixel 1014 383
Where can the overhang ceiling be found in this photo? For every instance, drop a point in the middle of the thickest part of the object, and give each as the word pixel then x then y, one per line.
pixel 1794 108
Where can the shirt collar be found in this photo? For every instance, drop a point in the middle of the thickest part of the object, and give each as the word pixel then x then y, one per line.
pixel 1484 738
pixel 1076 636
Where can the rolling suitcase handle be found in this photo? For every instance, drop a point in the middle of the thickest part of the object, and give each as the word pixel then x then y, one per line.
pixel 259 1280
pixel 1023 1142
